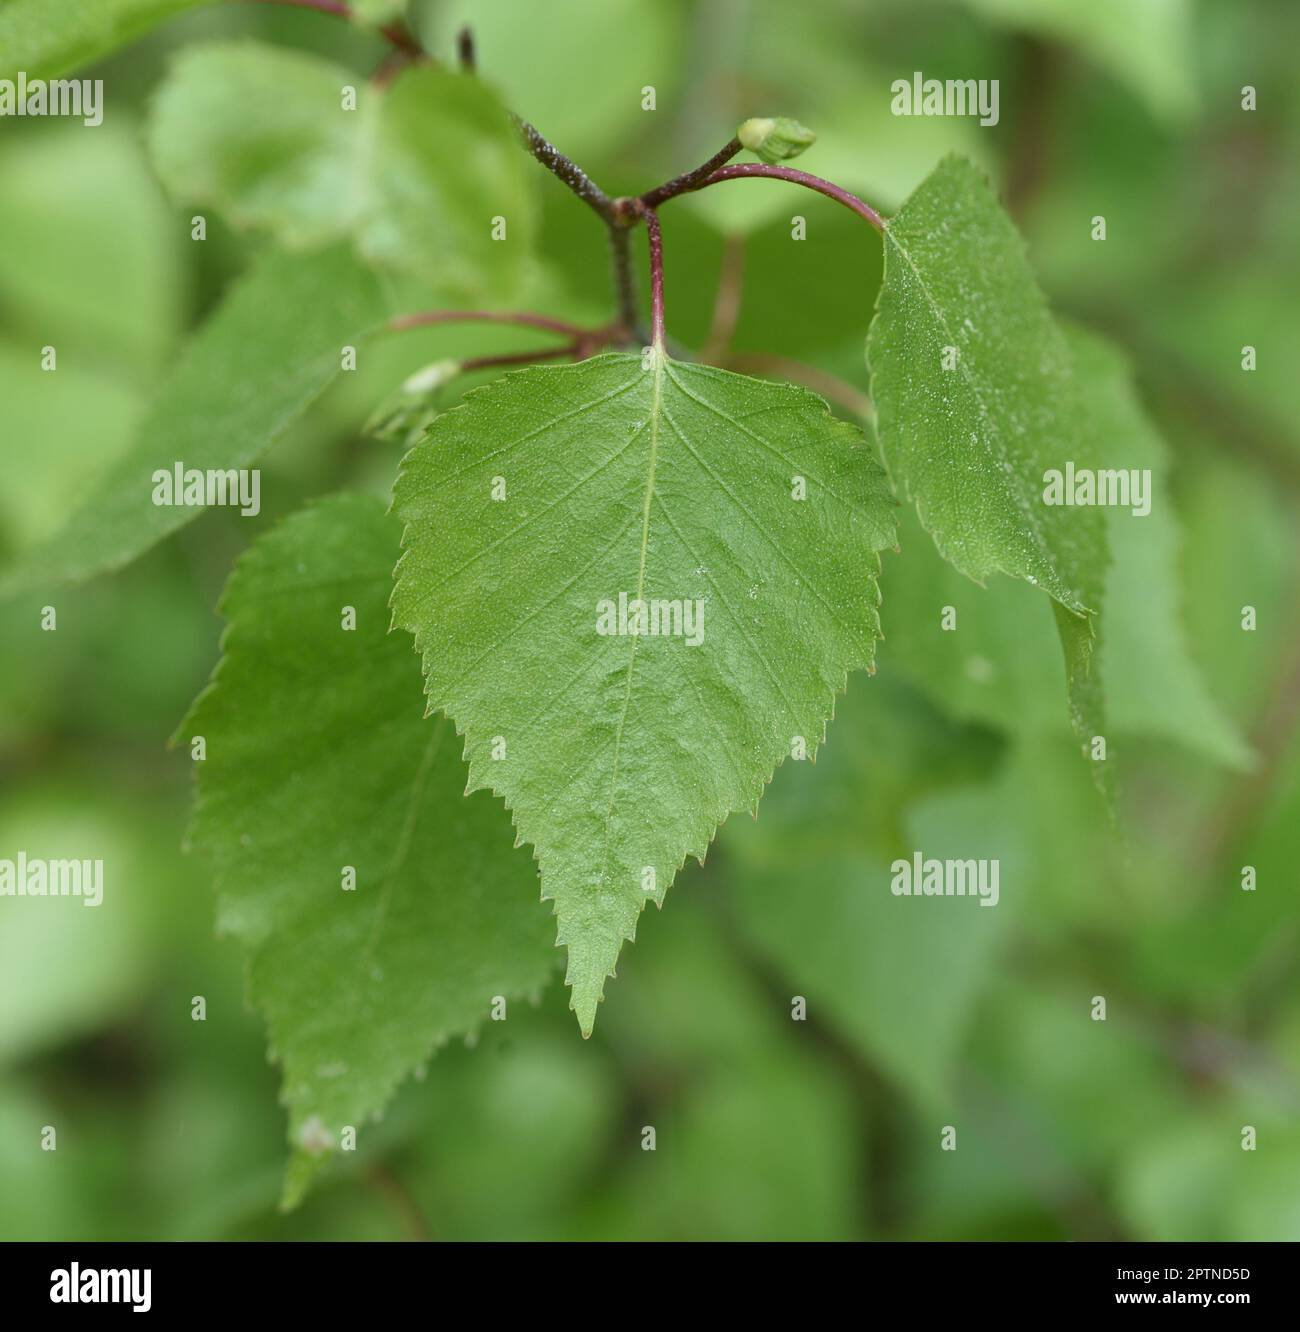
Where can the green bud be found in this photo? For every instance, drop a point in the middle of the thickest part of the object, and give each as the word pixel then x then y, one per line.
pixel 775 138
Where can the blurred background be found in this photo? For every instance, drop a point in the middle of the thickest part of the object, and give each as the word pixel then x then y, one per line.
pixel 766 1127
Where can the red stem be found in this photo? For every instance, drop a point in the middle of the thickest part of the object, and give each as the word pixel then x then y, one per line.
pixel 656 278
pixel 850 201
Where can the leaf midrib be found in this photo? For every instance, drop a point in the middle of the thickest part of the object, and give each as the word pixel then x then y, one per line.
pixel 656 408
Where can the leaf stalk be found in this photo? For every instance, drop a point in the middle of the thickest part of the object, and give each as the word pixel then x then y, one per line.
pixel 656 278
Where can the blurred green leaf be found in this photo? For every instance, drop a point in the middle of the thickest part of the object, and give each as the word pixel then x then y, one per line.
pixel 89 264
pixel 90 257
pixel 1194 1181
pixel 69 424
pixel 1246 665
pixel 274 345
pixel 1219 940
pixel 1072 1103
pixel 1209 324
pixel 704 1180
pixel 447 172
pixel 83 961
pixel 48 37
pixel 811 880
pixel 510 1132
pixel 261 132
pixel 758 1132
pixel 418 171
pixel 1001 664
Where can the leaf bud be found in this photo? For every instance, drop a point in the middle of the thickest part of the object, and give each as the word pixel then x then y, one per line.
pixel 775 138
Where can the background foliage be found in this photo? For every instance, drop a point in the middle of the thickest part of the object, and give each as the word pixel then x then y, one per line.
pixel 766 1128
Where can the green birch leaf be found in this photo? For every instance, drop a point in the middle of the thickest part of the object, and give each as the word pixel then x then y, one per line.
pixel 318 757
pixel 415 172
pixel 48 37
pixel 272 347
pixel 975 390
pixel 969 444
pixel 628 481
